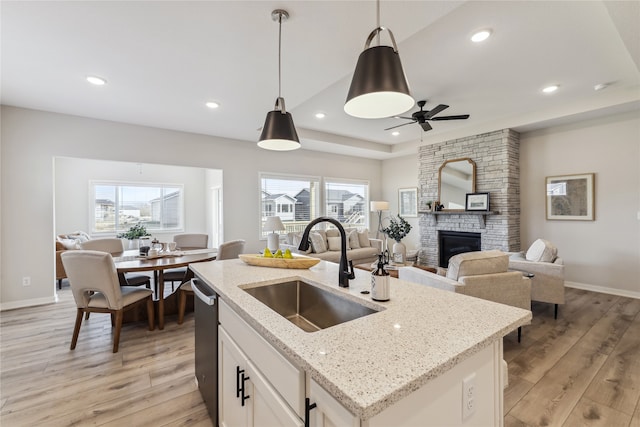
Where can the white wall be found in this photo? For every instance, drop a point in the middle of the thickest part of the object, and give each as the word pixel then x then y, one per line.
pixel 32 139
pixel 401 172
pixel 600 254
pixel 72 178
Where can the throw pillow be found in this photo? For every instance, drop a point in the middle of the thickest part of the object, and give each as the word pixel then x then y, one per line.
pixel 296 239
pixel 542 251
pixel 70 243
pixel 318 242
pixel 363 238
pixel 354 241
pixel 334 243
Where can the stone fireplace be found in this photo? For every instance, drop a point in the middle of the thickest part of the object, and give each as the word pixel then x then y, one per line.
pixel 496 155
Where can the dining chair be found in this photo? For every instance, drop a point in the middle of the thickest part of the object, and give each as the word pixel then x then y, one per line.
pixel 185 242
pixel 114 245
pixel 96 289
pixel 226 250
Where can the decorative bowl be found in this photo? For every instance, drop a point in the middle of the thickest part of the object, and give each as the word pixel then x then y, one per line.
pixel 298 261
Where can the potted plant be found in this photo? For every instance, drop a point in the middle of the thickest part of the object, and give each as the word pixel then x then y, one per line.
pixel 398 228
pixel 134 234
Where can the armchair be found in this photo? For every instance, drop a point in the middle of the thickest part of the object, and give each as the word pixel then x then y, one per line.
pixel 542 260
pixel 480 274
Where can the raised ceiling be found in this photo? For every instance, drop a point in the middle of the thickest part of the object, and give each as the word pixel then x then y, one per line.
pixel 163 60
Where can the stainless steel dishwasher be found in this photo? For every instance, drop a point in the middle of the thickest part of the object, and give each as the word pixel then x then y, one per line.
pixel 206 345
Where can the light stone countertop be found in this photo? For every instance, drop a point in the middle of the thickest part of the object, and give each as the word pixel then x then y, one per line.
pixel 374 361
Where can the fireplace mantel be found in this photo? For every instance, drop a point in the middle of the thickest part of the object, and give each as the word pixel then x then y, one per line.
pixel 482 215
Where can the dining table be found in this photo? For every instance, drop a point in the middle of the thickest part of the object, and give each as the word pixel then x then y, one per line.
pixel 131 261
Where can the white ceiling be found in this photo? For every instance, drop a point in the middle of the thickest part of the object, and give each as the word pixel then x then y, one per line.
pixel 164 59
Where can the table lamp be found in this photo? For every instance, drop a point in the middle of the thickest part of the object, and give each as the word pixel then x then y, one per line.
pixel 379 207
pixel 273 224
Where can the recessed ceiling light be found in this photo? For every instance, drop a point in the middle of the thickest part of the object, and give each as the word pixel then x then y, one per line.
pixel 601 86
pixel 212 104
pixel 481 35
pixel 320 115
pixel 395 133
pixel 550 89
pixel 95 80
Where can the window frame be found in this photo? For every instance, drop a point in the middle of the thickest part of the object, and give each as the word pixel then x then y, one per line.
pixel 321 208
pixel 120 228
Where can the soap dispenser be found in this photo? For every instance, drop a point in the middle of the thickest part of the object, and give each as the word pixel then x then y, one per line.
pixel 380 288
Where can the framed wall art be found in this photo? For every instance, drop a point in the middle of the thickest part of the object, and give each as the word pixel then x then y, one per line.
pixel 477 202
pixel 570 197
pixel 408 202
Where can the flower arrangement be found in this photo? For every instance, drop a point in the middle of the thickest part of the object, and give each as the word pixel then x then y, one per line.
pixel 135 232
pixel 397 229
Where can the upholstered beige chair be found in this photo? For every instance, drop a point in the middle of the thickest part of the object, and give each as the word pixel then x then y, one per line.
pixel 96 288
pixel 226 250
pixel 114 246
pixel 542 260
pixel 481 274
pixel 185 242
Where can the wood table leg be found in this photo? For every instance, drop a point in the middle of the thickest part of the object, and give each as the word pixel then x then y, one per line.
pixel 161 299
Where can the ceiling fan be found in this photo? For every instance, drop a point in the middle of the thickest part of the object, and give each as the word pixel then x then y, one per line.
pixel 423 116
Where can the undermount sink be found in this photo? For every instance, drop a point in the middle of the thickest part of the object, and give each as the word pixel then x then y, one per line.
pixel 308 307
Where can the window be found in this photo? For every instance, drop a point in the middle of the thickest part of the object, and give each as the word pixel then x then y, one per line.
pixel 298 199
pixel 118 206
pixel 293 198
pixel 347 202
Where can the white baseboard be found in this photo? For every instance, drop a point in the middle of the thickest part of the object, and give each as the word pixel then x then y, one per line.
pixel 27 303
pixel 603 289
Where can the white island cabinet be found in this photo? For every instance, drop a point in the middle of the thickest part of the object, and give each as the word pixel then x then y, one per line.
pixel 425 358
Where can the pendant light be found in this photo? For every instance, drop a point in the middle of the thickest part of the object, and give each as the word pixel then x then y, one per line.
pixel 379 87
pixel 278 132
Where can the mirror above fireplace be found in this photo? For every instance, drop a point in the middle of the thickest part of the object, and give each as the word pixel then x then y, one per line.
pixel 456 178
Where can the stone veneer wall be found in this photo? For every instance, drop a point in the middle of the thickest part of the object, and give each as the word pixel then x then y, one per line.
pixel 496 155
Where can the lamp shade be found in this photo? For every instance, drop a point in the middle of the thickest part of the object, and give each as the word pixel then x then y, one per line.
pixel 278 132
pixel 379 87
pixel 273 223
pixel 379 206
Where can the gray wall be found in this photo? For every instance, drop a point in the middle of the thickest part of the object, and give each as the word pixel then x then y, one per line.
pixel 601 255
pixel 32 139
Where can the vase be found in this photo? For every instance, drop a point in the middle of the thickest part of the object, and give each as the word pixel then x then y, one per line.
pixel 134 243
pixel 399 252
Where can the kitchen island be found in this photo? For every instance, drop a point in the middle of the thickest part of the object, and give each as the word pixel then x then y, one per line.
pixel 420 348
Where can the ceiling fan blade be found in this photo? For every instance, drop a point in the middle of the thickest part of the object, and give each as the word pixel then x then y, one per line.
pixel 397 126
pixel 460 117
pixel 435 111
pixel 426 126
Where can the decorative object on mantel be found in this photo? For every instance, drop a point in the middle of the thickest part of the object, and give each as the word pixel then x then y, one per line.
pixel 570 197
pixel 455 178
pixel 408 202
pixel 478 202
pixel 279 132
pixel 379 86
pixel 379 206
pixel 398 229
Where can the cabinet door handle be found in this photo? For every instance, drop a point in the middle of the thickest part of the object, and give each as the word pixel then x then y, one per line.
pixel 243 396
pixel 238 385
pixel 307 409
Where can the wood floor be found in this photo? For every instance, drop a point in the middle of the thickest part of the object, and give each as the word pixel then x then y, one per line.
pixel 582 369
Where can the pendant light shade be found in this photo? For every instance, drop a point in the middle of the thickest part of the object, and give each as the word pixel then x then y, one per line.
pixel 379 87
pixel 279 132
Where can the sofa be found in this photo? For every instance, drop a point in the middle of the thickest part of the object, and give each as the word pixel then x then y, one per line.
pixel 481 274
pixel 325 245
pixel 542 260
pixel 65 242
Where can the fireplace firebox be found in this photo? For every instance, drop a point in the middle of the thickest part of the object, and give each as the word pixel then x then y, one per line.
pixel 452 243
